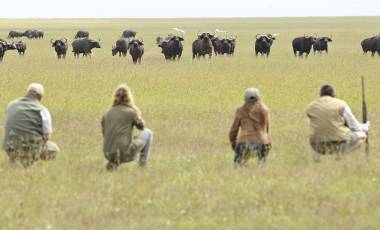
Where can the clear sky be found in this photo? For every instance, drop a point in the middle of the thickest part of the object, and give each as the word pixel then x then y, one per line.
pixel 186 8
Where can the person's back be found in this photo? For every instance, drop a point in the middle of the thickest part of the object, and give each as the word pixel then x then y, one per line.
pixel 254 123
pixel 118 125
pixel 327 122
pixel 23 119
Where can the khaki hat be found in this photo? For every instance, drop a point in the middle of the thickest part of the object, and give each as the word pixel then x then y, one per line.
pixel 36 88
pixel 251 94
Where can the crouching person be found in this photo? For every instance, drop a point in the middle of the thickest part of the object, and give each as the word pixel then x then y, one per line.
pixel 333 127
pixel 249 134
pixel 28 127
pixel 119 144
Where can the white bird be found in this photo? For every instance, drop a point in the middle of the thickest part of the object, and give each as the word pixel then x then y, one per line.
pixel 220 31
pixel 179 30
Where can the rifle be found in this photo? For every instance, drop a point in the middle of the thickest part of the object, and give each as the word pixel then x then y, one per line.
pixel 365 116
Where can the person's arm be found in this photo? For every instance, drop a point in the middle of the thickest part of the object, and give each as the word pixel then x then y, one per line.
pixel 139 122
pixel 268 126
pixel 234 131
pixel 102 124
pixel 352 122
pixel 46 124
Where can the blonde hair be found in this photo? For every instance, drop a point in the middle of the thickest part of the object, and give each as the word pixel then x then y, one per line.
pixel 123 96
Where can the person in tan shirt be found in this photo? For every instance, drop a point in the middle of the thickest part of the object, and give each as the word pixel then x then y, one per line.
pixel 333 127
pixel 249 134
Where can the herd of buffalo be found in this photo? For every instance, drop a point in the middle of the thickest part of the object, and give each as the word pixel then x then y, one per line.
pixel 171 46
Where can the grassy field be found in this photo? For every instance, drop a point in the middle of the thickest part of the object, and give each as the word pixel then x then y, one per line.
pixel 191 182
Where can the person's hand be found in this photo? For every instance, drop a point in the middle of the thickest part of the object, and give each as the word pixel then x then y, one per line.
pixel 46 137
pixel 233 145
pixel 365 126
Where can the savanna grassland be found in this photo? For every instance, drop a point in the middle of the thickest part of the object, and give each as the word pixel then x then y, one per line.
pixel 191 182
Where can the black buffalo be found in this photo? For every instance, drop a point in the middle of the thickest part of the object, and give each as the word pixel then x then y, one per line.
pixel 128 34
pixel 121 47
pixel 82 34
pixel 2 51
pixel 321 44
pixel 40 34
pixel 171 46
pixel 4 46
pixel 203 45
pixel 33 34
pixel 217 45
pixel 60 47
pixel 21 47
pixel 136 50
pixel 29 34
pixel 371 45
pixel 264 43
pixel 302 45
pixel 223 45
pixel 228 46
pixel 84 46
pixel 15 34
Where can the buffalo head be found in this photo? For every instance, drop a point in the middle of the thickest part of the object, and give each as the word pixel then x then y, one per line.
pixel 136 43
pixel 95 44
pixel 114 50
pixel 9 46
pixel 58 43
pixel 267 38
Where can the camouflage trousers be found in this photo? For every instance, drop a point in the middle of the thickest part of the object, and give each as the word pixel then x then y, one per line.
pixel 333 147
pixel 336 147
pixel 28 150
pixel 243 152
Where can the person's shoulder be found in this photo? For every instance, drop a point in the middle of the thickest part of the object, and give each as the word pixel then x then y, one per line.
pixel 239 110
pixel 15 101
pixel 313 102
pixel 125 110
pixel 264 107
pixel 43 107
pixel 341 102
pixel 109 110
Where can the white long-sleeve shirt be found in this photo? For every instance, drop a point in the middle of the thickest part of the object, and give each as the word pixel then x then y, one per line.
pixel 352 122
pixel 46 122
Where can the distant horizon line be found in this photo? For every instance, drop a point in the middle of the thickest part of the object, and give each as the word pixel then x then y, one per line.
pixel 235 17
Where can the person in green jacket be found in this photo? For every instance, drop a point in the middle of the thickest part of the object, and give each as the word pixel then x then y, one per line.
pixel 28 127
pixel 119 144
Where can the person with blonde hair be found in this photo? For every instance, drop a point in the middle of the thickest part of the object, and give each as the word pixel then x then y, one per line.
pixel 28 127
pixel 249 134
pixel 119 144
